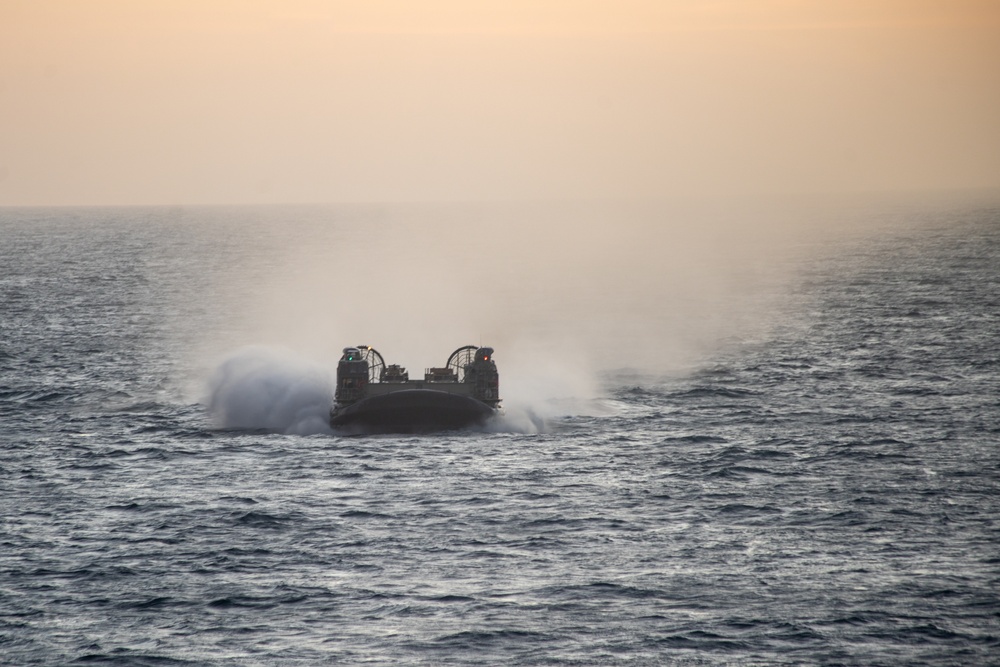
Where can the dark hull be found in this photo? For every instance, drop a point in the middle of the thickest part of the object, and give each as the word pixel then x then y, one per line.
pixel 412 411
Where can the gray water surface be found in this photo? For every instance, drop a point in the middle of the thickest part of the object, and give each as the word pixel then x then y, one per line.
pixel 826 494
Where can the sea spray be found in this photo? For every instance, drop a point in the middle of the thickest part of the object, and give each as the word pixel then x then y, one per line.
pixel 260 387
pixel 265 388
pixel 541 386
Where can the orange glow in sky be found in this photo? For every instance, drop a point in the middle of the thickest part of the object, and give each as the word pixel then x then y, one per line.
pixel 308 101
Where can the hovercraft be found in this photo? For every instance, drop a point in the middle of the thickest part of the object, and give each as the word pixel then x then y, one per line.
pixel 372 397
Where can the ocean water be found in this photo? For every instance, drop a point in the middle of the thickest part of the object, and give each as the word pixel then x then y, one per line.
pixel 820 488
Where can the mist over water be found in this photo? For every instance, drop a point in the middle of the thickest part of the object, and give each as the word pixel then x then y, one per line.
pixel 261 388
pixel 561 291
pixel 564 292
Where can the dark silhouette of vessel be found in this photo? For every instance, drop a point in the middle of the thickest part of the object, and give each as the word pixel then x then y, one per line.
pixel 372 397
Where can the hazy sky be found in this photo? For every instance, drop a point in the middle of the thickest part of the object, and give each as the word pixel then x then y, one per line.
pixel 248 101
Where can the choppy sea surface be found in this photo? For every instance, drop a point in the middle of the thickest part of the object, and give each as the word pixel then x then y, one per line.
pixel 826 493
